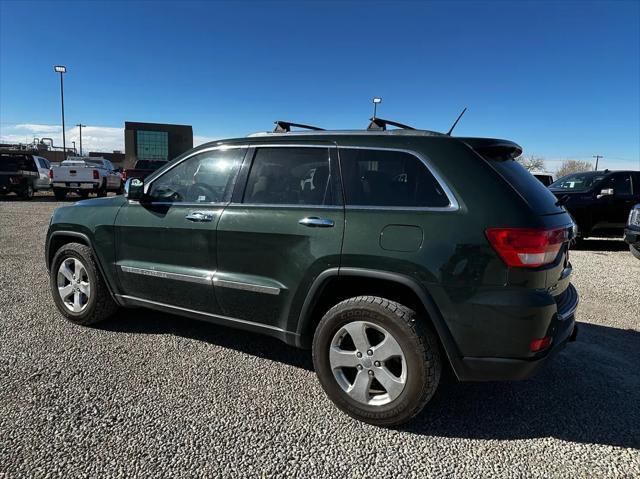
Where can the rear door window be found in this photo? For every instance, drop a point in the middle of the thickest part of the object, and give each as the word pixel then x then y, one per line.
pixel 388 178
pixel 290 176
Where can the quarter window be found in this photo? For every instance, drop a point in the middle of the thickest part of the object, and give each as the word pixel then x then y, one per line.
pixel 204 178
pixel 290 176
pixel 388 178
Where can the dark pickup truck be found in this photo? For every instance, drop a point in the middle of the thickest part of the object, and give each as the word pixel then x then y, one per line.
pixel 142 169
pixel 599 201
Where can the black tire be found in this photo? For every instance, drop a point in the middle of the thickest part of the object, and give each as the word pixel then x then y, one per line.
pixel 102 191
pixel 100 304
pixel 60 195
pixel 417 341
pixel 84 194
pixel 635 252
pixel 28 192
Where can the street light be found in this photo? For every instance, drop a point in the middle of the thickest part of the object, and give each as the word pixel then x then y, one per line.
pixel 376 100
pixel 80 125
pixel 62 70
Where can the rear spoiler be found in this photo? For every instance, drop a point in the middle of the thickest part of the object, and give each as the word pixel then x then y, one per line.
pixel 494 149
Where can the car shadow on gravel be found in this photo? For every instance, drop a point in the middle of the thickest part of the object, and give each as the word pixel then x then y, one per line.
pixel 601 245
pixel 37 198
pixel 145 321
pixel 589 393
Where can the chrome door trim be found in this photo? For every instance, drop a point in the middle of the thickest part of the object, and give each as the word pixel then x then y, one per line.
pixel 254 288
pixel 210 279
pixel 168 275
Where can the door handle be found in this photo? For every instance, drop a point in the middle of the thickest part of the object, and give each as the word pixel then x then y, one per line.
pixel 315 222
pixel 200 216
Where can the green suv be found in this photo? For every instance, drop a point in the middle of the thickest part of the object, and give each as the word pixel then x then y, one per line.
pixel 391 253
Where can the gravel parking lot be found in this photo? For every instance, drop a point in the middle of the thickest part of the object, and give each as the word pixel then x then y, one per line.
pixel 157 395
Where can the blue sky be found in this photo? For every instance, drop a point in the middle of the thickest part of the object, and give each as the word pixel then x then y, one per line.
pixel 560 78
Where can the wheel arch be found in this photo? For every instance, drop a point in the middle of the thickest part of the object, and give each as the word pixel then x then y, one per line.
pixel 334 285
pixel 57 239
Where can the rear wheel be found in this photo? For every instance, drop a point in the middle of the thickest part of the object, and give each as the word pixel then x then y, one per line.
pixel 27 193
pixel 59 194
pixel 78 289
pixel 634 251
pixel 376 360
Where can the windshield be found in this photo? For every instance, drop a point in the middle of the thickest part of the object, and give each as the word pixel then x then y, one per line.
pixel 149 164
pixel 578 181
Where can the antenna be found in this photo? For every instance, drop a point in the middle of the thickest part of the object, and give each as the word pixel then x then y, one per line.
pixel 456 122
pixel 376 100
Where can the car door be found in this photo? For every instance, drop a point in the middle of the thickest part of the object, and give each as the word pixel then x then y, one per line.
pixel 614 209
pixel 43 172
pixel 281 230
pixel 166 244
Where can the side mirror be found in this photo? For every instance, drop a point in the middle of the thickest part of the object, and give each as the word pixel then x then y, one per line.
pixel 134 189
pixel 605 192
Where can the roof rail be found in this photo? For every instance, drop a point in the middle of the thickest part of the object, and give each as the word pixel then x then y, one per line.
pixel 381 124
pixel 285 126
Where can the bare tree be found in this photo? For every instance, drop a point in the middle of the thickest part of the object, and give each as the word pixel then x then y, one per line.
pixel 573 166
pixel 531 163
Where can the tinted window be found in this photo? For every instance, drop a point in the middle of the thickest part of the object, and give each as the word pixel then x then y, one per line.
pixel 289 176
pixel 149 164
pixel 388 178
pixel 621 184
pixel 14 163
pixel 203 178
pixel 43 163
pixel 578 181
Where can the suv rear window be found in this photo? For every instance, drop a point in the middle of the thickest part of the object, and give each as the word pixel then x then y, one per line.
pixel 14 163
pixel 388 178
pixel 538 196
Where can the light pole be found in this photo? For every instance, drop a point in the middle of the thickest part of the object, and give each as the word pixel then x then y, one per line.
pixel 80 125
pixel 376 100
pixel 62 70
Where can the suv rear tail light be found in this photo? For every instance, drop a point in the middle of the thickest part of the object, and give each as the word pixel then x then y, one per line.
pixel 540 344
pixel 50 174
pixel 96 175
pixel 527 247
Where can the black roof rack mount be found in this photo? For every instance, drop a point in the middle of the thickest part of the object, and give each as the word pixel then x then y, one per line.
pixel 285 126
pixel 379 124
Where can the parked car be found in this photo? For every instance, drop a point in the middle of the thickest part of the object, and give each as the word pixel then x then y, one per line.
pixel 599 201
pixel 632 231
pixel 374 248
pixel 23 174
pixel 545 178
pixel 143 168
pixel 84 175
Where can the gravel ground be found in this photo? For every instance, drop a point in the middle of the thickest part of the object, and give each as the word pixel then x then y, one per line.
pixel 149 394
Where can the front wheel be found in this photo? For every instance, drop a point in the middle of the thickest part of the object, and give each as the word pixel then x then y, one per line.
pixel 77 287
pixel 376 360
pixel 59 194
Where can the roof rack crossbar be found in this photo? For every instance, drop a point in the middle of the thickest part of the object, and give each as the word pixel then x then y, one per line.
pixel 381 124
pixel 285 126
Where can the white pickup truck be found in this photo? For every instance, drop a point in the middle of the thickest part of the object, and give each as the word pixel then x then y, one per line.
pixel 84 175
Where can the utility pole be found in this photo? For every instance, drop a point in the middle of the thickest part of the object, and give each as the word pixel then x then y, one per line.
pixel 80 125
pixel 597 157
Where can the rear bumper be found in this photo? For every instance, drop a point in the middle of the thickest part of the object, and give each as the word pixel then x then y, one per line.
pixel 563 329
pixel 78 185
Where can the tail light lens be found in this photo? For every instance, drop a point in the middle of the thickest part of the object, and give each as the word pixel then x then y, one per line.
pixel 527 247
pixel 96 175
pixel 540 344
pixel 50 174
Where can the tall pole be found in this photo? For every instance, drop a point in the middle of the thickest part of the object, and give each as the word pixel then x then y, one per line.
pixel 597 157
pixel 64 139
pixel 80 125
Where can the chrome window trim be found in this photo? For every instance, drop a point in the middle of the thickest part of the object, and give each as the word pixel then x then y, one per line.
pixel 288 205
pixel 453 201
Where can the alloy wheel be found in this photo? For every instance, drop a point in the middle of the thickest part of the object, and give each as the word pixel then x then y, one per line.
pixel 73 285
